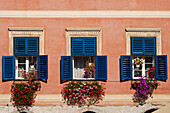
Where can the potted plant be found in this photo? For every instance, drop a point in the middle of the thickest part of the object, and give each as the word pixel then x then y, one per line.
pixel 82 93
pixel 89 70
pixel 138 61
pixel 144 88
pixel 151 72
pixel 23 94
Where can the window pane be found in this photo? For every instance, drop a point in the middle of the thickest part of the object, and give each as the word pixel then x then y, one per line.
pixel 148 59
pixel 32 63
pixel 148 66
pixel 80 64
pixel 21 59
pixel 138 74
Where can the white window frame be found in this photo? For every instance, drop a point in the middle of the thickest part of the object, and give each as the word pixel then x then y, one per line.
pixel 146 33
pixel 143 65
pixel 27 65
pixel 25 32
pixel 83 33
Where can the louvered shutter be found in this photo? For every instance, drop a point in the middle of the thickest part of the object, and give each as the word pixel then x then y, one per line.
pixel 137 46
pixel 43 66
pixel 20 46
pixel 90 46
pixel 126 67
pixel 77 46
pixel 8 67
pixel 149 47
pixel 83 46
pixel 66 67
pixel 101 67
pixel 32 46
pixel 161 67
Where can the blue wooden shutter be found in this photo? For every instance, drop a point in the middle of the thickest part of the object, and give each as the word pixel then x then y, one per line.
pixel 20 46
pixel 161 67
pixel 90 46
pixel 77 46
pixel 137 46
pixel 126 67
pixel 8 67
pixel 66 67
pixel 43 66
pixel 101 67
pixel 149 47
pixel 32 46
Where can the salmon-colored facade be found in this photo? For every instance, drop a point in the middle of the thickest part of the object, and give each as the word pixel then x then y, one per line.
pixel 113 36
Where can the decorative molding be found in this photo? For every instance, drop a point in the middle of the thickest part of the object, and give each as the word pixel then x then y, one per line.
pixel 83 14
pixel 25 29
pixel 83 32
pixel 143 29
pixel 143 32
pixel 24 32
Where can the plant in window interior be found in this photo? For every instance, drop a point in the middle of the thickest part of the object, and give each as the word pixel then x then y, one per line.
pixel 82 93
pixel 23 94
pixel 144 88
pixel 89 70
pixel 151 72
pixel 138 61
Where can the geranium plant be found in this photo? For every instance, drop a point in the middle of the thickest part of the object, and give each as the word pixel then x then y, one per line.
pixel 82 93
pixel 151 72
pixel 89 70
pixel 144 88
pixel 23 94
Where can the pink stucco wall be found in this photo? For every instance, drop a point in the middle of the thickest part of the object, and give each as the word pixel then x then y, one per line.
pixel 113 45
pixel 84 5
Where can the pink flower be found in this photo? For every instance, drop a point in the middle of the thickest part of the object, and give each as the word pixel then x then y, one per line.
pixel 33 86
pixel 82 97
pixel 25 87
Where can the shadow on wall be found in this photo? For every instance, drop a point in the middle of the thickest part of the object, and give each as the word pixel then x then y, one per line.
pixel 151 110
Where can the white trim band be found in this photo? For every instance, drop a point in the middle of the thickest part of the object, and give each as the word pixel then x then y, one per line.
pixel 84 14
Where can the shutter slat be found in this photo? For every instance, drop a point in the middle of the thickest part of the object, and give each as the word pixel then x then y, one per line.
pixel 8 67
pixel 77 46
pixel 90 46
pixel 126 67
pixel 66 67
pixel 137 45
pixel 161 67
pixel 43 66
pixel 101 67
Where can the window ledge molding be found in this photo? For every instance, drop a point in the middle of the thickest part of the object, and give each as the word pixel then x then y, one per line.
pixel 83 32
pixel 143 32
pixel 143 29
pixel 26 32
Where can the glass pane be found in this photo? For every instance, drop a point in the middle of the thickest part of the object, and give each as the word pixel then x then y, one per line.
pixel 32 63
pixel 21 59
pixel 148 66
pixel 138 67
pixel 80 64
pixel 21 66
pixel 138 73
pixel 148 59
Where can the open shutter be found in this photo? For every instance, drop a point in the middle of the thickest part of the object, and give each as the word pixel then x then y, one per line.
pixel 90 46
pixel 32 46
pixel 77 46
pixel 66 67
pixel 137 46
pixel 101 67
pixel 126 67
pixel 149 47
pixel 43 66
pixel 20 46
pixel 8 67
pixel 161 67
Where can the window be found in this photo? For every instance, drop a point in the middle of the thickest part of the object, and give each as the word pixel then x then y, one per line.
pixel 83 47
pixel 144 52
pixel 26 54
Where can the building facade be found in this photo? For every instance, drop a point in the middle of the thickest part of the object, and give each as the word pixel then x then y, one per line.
pixel 57 38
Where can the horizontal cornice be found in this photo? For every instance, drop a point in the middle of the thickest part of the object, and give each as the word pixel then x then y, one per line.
pixel 83 14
